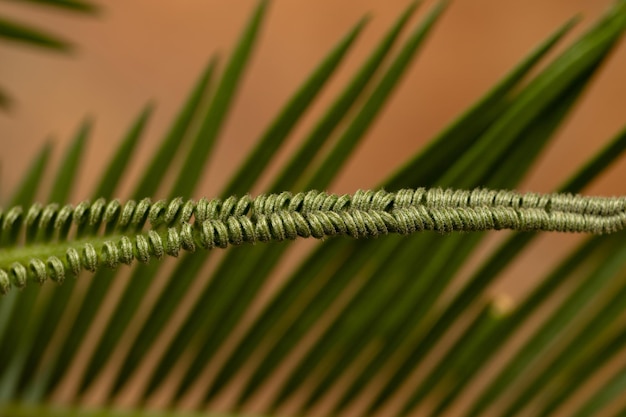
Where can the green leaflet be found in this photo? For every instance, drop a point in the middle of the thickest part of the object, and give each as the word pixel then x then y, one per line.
pixel 68 5
pixel 195 162
pixel 21 33
pixel 174 139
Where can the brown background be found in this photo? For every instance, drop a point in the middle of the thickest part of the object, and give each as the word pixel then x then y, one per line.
pixel 154 49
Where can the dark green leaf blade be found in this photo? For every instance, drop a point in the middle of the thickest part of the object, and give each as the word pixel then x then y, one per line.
pixel 611 390
pixel 178 134
pixel 52 308
pixel 118 165
pixel 67 5
pixel 184 185
pixel 588 333
pixel 219 107
pixel 330 166
pixel 233 301
pixel 26 191
pixel 565 315
pixel 510 170
pixel 16 340
pixel 324 129
pixel 488 106
pixel 101 282
pixel 21 33
pixel 277 133
pixel 468 127
pixel 367 114
pixel 365 305
pixel 292 173
pixel 599 40
pixel 561 275
pixel 585 369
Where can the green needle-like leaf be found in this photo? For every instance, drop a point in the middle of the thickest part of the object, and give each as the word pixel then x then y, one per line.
pixel 264 259
pixel 324 129
pixel 614 388
pixel 55 305
pixel 178 134
pixel 26 191
pixel 16 340
pixel 21 33
pixel 243 180
pixel 221 102
pixel 510 171
pixel 588 333
pixel 549 330
pixel 194 163
pixel 67 174
pixel 366 116
pixel 583 370
pixel 119 163
pixel 68 5
pixel 102 280
pixel 24 195
pixel 274 137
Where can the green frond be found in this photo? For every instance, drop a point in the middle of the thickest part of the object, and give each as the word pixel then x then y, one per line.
pixel 358 320
pixel 69 5
pixel 19 32
pixel 208 224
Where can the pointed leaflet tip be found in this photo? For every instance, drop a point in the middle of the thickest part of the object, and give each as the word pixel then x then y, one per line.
pixel 213 120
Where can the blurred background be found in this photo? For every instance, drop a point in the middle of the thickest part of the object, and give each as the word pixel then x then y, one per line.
pixel 138 51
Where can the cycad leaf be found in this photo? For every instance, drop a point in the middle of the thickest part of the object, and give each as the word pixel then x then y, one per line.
pixel 614 388
pixel 55 305
pixel 26 191
pixel 195 163
pixel 584 369
pixel 366 116
pixel 365 305
pixel 103 278
pixel 240 287
pixel 176 289
pixel 324 129
pixel 334 250
pixel 336 157
pixel 243 180
pixel 564 272
pixel 24 195
pixel 551 327
pixel 18 32
pixel 218 109
pixel 509 172
pixel 178 134
pixel 586 335
pixel 274 137
pixel 19 305
pixel 400 318
pixel 69 5
pixel 424 344
pixel 117 167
